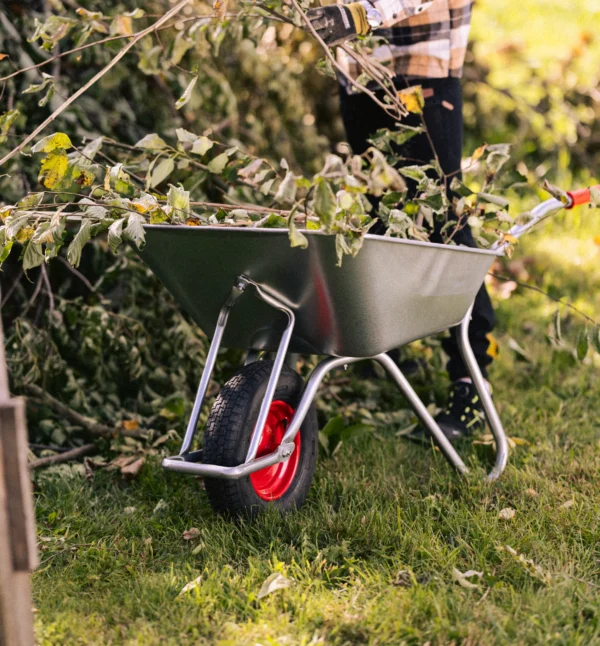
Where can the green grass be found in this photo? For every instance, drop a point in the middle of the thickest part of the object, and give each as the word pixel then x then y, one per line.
pixel 381 506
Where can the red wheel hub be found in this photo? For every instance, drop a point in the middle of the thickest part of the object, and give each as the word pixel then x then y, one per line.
pixel 272 482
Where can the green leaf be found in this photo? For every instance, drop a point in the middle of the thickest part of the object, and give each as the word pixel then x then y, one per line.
pixel 595 338
pixel 185 136
pixel 461 189
pixel 179 201
pixel 14 224
pixel 583 345
pixel 160 173
pixel 493 199
pixel 152 142
pixel 556 325
pixel 33 256
pixel 184 99
pixel 79 241
pixel 135 230
pixel 202 145
pixel 324 203
pixel 39 87
pixel 115 234
pixel 297 238
pixel 217 164
pixel 30 201
pixel 58 141
pixel 6 121
pixel 287 189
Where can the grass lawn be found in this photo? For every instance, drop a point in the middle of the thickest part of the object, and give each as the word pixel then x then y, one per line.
pixel 372 555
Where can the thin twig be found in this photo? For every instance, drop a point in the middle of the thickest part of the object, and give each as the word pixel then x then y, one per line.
pixel 335 64
pixel 175 10
pixel 541 291
pixel 81 48
pixel 77 273
pixel 67 456
pixel 92 427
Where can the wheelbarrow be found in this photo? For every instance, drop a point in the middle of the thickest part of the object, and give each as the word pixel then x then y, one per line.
pixel 247 288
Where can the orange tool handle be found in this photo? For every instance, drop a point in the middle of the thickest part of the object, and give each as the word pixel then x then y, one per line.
pixel 582 196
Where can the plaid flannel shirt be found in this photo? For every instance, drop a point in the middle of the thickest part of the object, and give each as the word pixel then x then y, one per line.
pixel 425 38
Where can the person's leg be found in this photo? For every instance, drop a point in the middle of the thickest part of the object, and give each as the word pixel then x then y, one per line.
pixel 444 122
pixel 443 118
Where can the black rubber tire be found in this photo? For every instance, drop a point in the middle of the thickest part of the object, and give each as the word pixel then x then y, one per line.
pixel 227 438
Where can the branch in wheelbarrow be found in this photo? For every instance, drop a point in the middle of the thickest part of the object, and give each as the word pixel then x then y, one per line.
pixel 91 426
pixel 66 456
pixel 142 34
pixel 399 111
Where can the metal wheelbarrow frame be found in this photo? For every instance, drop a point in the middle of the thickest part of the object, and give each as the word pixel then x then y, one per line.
pixel 246 287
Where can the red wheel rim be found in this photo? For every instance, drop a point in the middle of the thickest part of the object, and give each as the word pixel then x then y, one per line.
pixel 272 482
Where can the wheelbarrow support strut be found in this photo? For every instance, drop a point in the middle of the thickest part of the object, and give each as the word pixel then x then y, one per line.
pixel 189 461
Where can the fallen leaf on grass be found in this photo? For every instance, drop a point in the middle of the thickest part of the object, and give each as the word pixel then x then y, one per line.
pixel 462 578
pixel 133 468
pixel 129 510
pixel 191 585
pixel 531 493
pixel 507 514
pixel 161 506
pixel 275 581
pixel 403 579
pixel 531 568
pixel 191 533
pixel 567 504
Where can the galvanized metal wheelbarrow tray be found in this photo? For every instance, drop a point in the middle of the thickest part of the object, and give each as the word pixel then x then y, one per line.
pixel 247 288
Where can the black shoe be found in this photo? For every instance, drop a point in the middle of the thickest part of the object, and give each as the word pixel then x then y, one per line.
pixel 463 415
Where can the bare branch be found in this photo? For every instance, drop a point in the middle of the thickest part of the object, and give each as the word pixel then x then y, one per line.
pixel 91 426
pixel 65 456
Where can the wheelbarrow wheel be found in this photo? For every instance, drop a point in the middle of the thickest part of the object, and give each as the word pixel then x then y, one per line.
pixel 227 438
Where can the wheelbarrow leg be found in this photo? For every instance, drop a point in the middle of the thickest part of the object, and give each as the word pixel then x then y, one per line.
pixel 486 399
pixel 237 290
pixel 421 410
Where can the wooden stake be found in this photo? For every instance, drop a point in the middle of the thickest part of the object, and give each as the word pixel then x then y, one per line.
pixel 18 555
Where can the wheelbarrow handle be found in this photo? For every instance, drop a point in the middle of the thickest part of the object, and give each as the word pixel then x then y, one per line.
pixel 545 209
pixel 582 196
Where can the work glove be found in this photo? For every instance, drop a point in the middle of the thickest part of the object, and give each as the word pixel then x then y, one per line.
pixel 337 23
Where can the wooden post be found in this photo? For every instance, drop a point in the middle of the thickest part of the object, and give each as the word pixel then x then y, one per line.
pixel 18 555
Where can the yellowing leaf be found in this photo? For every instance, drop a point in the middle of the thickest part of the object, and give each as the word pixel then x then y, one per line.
pixel 508 238
pixel 192 585
pixel 24 234
pixel 412 99
pixel 152 142
pixel 462 578
pixel 54 168
pixel 478 154
pixel 220 7
pixel 3 56
pixel 272 583
pixel 131 425
pixel 121 26
pixel 53 142
pixel 202 145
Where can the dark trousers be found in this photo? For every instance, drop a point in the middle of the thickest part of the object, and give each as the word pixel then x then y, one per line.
pixel 444 121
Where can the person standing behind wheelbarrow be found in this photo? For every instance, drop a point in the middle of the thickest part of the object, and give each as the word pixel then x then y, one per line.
pixel 427 46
